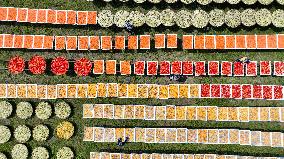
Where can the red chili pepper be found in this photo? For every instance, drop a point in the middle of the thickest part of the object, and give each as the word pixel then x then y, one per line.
pixel 59 66
pixel 82 67
pixel 16 65
pixel 37 65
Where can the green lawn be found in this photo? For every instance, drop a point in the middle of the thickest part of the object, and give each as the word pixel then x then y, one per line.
pixel 82 149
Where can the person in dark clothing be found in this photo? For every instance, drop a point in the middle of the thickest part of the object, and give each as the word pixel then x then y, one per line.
pixel 126 139
pixel 119 142
pixel 179 78
pixel 243 60
pixel 129 26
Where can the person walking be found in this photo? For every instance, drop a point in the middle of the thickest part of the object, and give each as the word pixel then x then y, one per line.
pixel 119 142
pixel 129 26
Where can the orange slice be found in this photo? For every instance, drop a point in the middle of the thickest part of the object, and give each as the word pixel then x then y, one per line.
pixel 82 17
pixel 159 41
pixel 125 67
pixel 32 15
pixel 251 41
pixel 38 41
pixel 28 41
pixel 171 41
pixel 71 43
pixel 199 41
pixel 94 43
pixel 51 16
pixel 209 42
pixel 111 67
pixel 92 17
pixel 22 15
pixel 187 42
pixel 281 41
pixel 240 42
pixel 106 42
pixel 8 41
pixel 261 41
pixel 60 42
pixel 271 41
pixel 18 41
pixel 132 42
pixel 71 17
pixel 42 16
pixel 12 14
pixel 230 42
pixel 98 67
pixel 48 42
pixel 83 42
pixel 61 17
pixel 220 42
pixel 144 41
pixel 119 42
pixel 3 14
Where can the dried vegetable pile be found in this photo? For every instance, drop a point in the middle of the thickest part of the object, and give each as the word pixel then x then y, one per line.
pixel 73 80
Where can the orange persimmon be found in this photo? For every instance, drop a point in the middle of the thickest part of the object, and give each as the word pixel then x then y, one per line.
pixel 144 41
pixel 132 42
pixel 111 67
pixel 159 41
pixel 187 42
